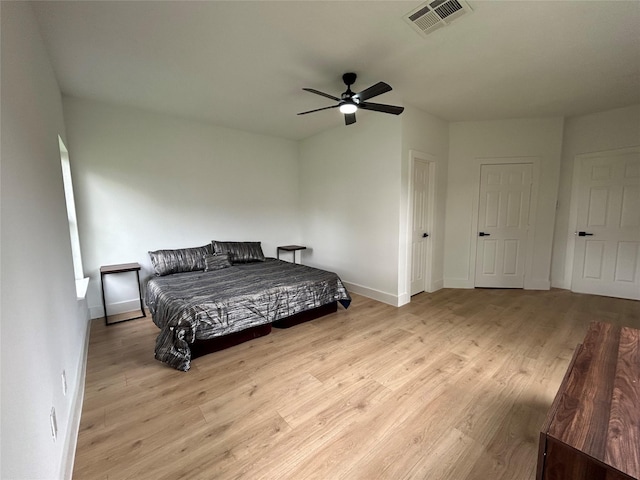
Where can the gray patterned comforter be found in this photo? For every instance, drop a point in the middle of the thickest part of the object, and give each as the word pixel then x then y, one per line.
pixel 204 305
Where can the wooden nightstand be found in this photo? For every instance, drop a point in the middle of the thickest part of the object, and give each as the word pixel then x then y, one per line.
pixel 121 268
pixel 290 248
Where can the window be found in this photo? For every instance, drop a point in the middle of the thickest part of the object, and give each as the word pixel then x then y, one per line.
pixel 71 215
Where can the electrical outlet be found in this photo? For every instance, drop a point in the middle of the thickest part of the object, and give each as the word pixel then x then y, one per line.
pixel 54 423
pixel 64 383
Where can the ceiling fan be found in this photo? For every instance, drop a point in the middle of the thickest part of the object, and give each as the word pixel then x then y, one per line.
pixel 350 102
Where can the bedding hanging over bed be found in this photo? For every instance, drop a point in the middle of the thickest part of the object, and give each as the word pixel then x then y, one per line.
pixel 206 304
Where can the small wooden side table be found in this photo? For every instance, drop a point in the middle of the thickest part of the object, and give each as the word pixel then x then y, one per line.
pixel 290 248
pixel 121 268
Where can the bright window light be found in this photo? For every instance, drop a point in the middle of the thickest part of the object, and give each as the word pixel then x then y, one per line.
pixel 71 211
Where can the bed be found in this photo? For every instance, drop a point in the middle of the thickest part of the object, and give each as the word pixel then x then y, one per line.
pixel 237 295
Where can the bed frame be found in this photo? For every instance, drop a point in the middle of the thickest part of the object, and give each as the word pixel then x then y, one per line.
pixel 203 347
pixel 307 315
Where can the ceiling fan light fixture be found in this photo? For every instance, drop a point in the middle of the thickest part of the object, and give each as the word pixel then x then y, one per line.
pixel 348 108
pixel 349 103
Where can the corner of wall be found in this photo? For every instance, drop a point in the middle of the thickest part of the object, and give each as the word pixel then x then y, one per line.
pixel 537 284
pixel 384 297
pixel 437 285
pixel 403 299
pixel 458 283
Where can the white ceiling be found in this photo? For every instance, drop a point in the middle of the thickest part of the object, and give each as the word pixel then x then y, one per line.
pixel 243 64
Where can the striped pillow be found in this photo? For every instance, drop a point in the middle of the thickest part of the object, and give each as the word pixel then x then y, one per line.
pixel 239 252
pixel 166 262
pixel 216 262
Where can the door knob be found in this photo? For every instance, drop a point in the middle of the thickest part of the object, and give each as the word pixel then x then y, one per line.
pixel 585 234
pixel 482 234
pixel 425 235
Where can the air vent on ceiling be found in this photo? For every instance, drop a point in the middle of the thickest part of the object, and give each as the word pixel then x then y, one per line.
pixel 435 14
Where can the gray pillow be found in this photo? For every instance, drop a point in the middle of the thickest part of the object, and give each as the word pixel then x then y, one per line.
pixel 166 262
pixel 239 252
pixel 216 262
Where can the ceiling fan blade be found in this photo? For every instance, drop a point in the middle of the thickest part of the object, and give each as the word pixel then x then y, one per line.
pixel 379 107
pixel 319 109
pixel 349 118
pixel 373 91
pixel 317 92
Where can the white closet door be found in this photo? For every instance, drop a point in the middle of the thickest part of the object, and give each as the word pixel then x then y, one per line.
pixel 607 252
pixel 503 223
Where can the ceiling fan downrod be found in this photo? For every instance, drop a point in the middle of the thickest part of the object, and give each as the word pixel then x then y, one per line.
pixel 348 79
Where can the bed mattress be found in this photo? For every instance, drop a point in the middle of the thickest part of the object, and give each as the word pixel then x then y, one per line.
pixel 203 305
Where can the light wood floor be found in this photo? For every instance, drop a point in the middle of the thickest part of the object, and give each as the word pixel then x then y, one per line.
pixel 454 386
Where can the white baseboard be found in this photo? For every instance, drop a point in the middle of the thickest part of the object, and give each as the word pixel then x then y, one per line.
pixel 537 284
pixel 71 440
pixel 561 284
pixel 403 299
pixel 458 283
pixel 383 297
pixel 437 285
pixel 115 308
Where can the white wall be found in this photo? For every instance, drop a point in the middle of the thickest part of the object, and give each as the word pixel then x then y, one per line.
pixel 350 179
pixel 539 140
pixel 146 181
pixel 597 132
pixel 44 326
pixel 423 133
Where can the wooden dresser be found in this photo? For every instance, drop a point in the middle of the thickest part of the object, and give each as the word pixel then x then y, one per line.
pixel 592 431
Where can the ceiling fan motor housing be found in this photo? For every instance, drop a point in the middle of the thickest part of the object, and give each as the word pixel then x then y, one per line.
pixel 349 78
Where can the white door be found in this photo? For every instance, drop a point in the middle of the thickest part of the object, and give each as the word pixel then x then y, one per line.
pixel 607 250
pixel 420 234
pixel 503 223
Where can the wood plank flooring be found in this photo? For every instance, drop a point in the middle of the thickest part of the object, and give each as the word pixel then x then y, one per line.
pixel 454 386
